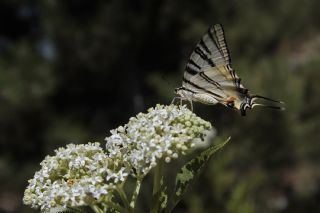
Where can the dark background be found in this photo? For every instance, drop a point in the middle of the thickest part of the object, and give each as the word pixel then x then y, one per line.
pixel 72 70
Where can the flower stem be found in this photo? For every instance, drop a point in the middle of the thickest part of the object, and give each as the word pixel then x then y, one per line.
pixel 124 199
pixel 156 191
pixel 116 207
pixel 96 209
pixel 135 193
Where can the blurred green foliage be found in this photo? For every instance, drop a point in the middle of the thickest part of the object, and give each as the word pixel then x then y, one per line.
pixel 72 70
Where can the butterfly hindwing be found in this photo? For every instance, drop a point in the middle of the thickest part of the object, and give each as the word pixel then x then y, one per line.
pixel 225 76
pixel 216 80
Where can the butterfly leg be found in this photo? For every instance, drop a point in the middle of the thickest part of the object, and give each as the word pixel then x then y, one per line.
pixel 191 105
pixel 175 98
pixel 172 102
pixel 188 100
pixel 181 101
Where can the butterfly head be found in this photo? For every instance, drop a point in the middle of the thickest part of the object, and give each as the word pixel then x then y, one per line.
pixel 177 90
pixel 183 92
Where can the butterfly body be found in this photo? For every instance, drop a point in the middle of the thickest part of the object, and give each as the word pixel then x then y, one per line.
pixel 198 97
pixel 210 79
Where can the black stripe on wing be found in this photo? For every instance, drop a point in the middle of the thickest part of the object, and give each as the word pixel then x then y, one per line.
pixel 200 88
pixel 204 46
pixel 209 80
pixel 191 62
pixel 204 56
pixel 192 68
pixel 188 90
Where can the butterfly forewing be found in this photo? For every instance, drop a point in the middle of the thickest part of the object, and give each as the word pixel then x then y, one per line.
pixel 221 41
pixel 210 64
pixel 205 55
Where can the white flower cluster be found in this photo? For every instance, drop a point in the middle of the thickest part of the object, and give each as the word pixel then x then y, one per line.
pixel 163 133
pixel 77 175
pixel 86 175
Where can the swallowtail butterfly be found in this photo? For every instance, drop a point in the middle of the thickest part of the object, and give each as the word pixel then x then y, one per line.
pixel 210 79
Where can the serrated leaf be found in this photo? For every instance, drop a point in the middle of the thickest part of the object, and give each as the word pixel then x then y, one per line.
pixel 68 209
pixel 162 195
pixel 189 172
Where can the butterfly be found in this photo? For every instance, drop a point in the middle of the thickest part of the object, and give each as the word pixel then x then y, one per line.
pixel 210 79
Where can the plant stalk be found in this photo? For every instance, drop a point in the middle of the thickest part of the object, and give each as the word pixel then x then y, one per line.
pixel 135 193
pixel 156 191
pixel 116 207
pixel 124 199
pixel 96 209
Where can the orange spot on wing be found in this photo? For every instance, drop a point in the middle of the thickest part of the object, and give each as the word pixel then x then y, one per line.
pixel 230 99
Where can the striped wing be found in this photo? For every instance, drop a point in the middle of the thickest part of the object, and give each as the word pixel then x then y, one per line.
pixel 216 81
pixel 209 66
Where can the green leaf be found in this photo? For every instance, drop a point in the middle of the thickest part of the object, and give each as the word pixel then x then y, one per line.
pixel 158 188
pixel 72 210
pixel 68 209
pixel 162 196
pixel 189 172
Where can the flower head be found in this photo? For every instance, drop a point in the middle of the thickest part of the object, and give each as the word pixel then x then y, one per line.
pixel 164 132
pixel 75 176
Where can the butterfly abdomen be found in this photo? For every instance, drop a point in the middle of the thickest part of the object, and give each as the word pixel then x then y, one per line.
pixel 205 98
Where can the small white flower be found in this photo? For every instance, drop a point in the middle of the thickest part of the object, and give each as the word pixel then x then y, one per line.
pixel 162 133
pixel 73 174
pixel 119 176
